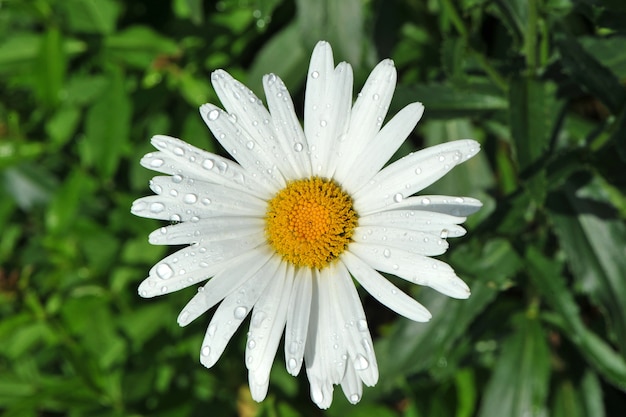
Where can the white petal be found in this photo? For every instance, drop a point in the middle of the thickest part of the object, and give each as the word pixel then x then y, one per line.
pixel 418 269
pixel 211 230
pixel 352 386
pixel 258 391
pixel 414 241
pixel 383 290
pixel 358 341
pixel 454 206
pixel 368 114
pixel 411 174
pixel 232 311
pixel 268 322
pixel 379 150
pixel 326 107
pixel 244 148
pixel 224 283
pixel 194 264
pixel 208 197
pixel 422 221
pixel 338 116
pixel 287 128
pixel 298 321
pixel 183 160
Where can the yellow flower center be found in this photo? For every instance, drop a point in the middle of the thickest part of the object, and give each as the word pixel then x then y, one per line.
pixel 310 222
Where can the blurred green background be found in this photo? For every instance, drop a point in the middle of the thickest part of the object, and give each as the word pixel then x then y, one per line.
pixel 540 83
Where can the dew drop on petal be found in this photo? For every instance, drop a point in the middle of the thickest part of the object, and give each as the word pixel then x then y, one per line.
pixel 361 325
pixel 315 74
pixel 418 171
pixel 251 344
pixel 395 267
pixel 175 218
pixel 317 395
pixel 164 271
pixel 190 198
pixel 208 164
pixel 240 312
pixel 444 234
pixel 293 348
pixel 177 179
pixel 206 201
pixel 157 207
pixel 184 316
pixel 206 350
pixel 375 97
pixel 271 79
pixel 425 201
pixel 213 114
pixel 323 123
pixel 398 198
pixel 355 398
pixel 360 363
pixel 386 253
pixel 459 200
pixel 292 363
pixel 178 151
pixel 250 145
pixel 163 290
pixel 298 147
pixel 211 329
pixel 155 163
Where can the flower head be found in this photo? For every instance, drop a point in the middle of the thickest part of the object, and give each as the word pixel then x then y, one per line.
pixel 281 232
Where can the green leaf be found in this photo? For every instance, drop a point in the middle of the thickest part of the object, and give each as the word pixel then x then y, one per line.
pixel 519 383
pixel 546 277
pixel 139 46
pixel 592 75
pixel 445 101
pixel 338 22
pixel 107 127
pixel 593 238
pixel 532 111
pixel 609 51
pixel 291 67
pixel 91 16
pixel 51 56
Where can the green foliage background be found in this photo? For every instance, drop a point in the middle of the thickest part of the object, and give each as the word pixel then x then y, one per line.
pixel 84 84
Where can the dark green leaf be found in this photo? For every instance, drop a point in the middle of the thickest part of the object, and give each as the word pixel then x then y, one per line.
pixel 519 383
pixel 91 16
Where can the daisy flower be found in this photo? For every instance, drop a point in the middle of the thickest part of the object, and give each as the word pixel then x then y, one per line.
pixel 281 231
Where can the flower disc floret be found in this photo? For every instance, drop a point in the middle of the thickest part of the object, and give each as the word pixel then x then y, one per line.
pixel 310 222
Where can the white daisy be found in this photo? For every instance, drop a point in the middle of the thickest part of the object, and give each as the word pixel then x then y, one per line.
pixel 281 233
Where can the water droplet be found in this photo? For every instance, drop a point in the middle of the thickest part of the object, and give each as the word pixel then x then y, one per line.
pixel 179 151
pixel 271 79
pixel 144 293
pixel 398 198
pixel 257 319
pixel 164 271
pixel 157 207
pixel 418 171
pixel 323 123
pixel 298 147
pixel 251 344
pixel 395 267
pixel 441 158
pixel 459 200
pixel 211 329
pixel 250 145
pixel 366 345
pixel 360 363
pixel 208 164
pixel 190 198
pixel 206 350
pixel 361 325
pixel 315 74
pixel 163 290
pixel 444 234
pixel 355 398
pixel 375 97
pixel 425 201
pixel 317 395
pixel 240 312
pixel 155 163
pixel 175 218
pixel 386 253
pixel 177 179
pixel 206 201
pixel 292 363
pixel 213 114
